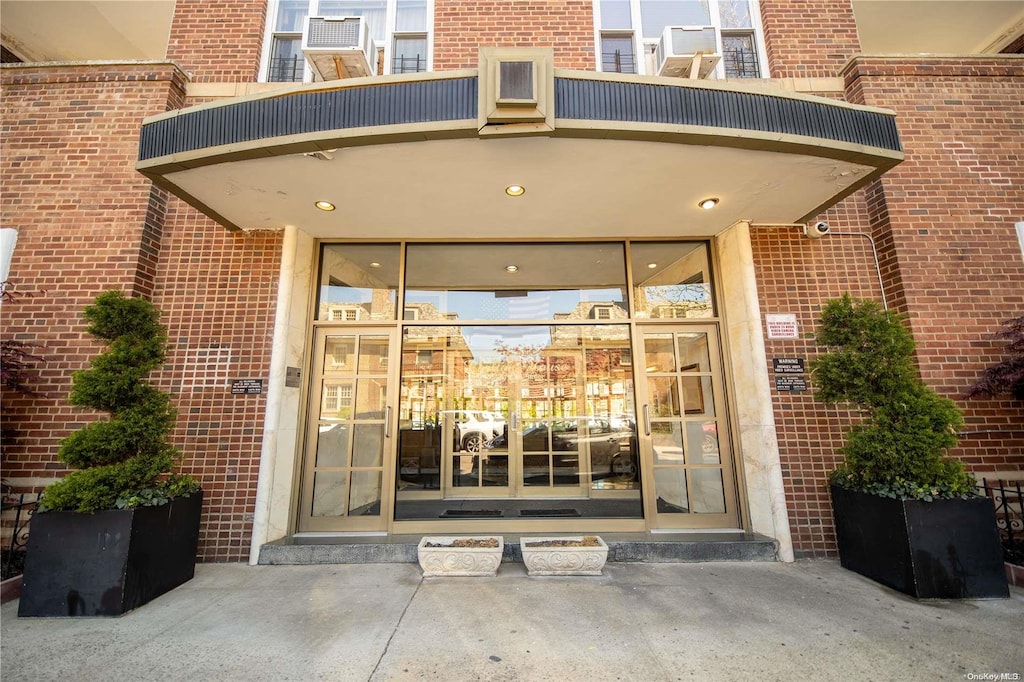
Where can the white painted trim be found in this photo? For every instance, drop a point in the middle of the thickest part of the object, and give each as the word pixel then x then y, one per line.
pixel 759 445
pixel 280 451
pixel 1020 237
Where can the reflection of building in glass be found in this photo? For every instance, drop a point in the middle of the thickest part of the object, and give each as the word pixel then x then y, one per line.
pixel 677 289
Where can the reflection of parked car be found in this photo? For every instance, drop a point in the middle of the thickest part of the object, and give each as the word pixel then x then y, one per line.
pixel 598 435
pixel 474 428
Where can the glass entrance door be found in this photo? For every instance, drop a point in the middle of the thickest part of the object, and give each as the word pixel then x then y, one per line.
pixel 684 425
pixel 349 432
pixel 531 411
pixel 518 396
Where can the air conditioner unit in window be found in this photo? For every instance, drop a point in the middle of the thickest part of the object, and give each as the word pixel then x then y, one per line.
pixel 338 47
pixel 687 51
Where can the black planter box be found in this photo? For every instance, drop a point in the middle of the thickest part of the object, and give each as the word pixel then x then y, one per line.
pixel 109 562
pixel 944 549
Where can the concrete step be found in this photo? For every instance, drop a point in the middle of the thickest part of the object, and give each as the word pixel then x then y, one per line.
pixel 622 547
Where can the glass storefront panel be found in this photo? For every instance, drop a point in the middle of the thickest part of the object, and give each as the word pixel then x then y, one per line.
pixel 358 282
pixel 671 280
pixel 515 386
pixel 329 489
pixel 670 488
pixel 515 282
pixel 332 446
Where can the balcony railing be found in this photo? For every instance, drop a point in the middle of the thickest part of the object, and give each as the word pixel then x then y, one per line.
pixel 286 69
pixel 740 64
pixel 618 62
pixel 410 64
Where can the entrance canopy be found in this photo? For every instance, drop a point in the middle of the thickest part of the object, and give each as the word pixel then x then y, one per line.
pixel 438 155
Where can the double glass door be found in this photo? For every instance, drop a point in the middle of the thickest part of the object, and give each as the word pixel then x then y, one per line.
pixel 519 411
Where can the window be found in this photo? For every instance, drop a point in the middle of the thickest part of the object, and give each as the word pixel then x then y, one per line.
pixel 617 53
pixel 628 31
pixel 399 28
pixel 410 44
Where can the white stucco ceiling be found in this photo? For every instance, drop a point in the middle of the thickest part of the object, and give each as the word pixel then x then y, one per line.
pixel 937 26
pixel 76 30
pixel 455 189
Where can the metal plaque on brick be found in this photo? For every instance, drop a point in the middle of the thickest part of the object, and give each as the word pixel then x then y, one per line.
pixel 788 365
pixel 791 383
pixel 247 386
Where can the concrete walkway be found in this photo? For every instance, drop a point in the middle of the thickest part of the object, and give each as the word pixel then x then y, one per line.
pixel 810 620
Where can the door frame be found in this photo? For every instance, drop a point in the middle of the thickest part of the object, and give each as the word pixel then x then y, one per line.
pixel 380 523
pixel 732 518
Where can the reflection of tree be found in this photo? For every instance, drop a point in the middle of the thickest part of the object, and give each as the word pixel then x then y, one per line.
pixel 685 300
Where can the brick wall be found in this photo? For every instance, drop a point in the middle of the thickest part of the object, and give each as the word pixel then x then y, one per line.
pixel 948 225
pixel 462 27
pixel 943 222
pixel 809 38
pixel 217 290
pixel 799 275
pixel 86 221
pixel 218 40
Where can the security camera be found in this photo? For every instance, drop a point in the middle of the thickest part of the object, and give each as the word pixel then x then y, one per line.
pixel 816 230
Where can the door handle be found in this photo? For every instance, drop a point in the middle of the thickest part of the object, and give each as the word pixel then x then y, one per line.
pixel 387 422
pixel 513 421
pixel 647 420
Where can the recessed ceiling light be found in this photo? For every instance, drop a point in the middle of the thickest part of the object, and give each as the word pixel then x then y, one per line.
pixel 652 265
pixel 515 190
pixel 511 268
pixel 708 204
pixel 325 205
pixel 375 264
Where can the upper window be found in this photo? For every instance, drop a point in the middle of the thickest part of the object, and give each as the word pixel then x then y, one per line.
pixel 400 31
pixel 628 33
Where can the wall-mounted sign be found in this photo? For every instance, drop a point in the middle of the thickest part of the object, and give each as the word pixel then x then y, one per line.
pixel 292 377
pixel 782 326
pixel 788 365
pixel 247 386
pixel 791 383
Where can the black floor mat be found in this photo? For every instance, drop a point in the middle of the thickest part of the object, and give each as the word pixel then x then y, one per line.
pixel 470 513
pixel 549 512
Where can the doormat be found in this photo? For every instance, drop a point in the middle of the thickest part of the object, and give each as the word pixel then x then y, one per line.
pixel 470 513
pixel 549 512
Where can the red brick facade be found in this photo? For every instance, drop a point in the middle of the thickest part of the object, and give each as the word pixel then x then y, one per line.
pixel 86 222
pixel 218 41
pixel 942 220
pixel 462 27
pixel 809 38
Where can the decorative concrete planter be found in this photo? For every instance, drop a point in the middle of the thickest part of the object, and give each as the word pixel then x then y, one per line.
pixel 567 555
pixel 466 555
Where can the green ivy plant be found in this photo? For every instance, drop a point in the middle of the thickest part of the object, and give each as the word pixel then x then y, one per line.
pixel 899 450
pixel 121 461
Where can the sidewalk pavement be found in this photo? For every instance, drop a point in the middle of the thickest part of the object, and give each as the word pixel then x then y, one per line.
pixel 810 620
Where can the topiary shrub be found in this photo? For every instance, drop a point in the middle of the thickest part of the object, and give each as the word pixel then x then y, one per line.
pixel 122 461
pixel 899 450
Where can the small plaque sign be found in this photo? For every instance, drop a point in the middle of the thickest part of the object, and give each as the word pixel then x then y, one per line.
pixel 782 326
pixel 247 386
pixel 788 365
pixel 793 384
pixel 292 377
